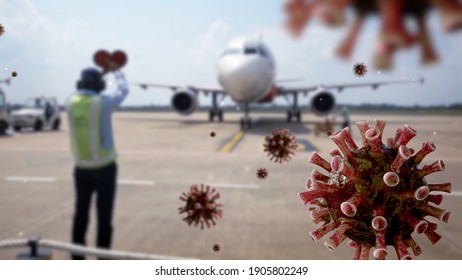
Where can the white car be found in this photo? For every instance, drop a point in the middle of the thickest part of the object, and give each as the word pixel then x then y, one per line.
pixel 38 113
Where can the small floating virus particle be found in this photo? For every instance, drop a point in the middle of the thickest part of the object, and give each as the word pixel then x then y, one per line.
pixel 14 73
pixel 2 29
pixel 280 145
pixel 360 69
pixel 212 134
pixel 262 173
pixel 216 247
pixel 394 33
pixel 375 195
pixel 201 206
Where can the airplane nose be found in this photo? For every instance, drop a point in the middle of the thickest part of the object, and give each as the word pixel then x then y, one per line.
pixel 237 79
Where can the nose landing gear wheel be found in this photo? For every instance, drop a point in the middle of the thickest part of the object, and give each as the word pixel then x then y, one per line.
pixel 246 123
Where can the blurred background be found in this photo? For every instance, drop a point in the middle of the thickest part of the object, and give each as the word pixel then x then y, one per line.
pixel 49 42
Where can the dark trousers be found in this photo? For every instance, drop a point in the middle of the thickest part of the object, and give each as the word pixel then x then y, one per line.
pixel 103 182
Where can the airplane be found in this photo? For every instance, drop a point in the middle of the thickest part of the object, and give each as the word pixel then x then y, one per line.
pixel 246 73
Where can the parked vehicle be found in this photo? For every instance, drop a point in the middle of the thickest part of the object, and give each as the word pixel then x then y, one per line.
pixel 38 113
pixel 5 120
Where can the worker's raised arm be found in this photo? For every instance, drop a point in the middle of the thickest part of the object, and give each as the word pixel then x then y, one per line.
pixel 115 99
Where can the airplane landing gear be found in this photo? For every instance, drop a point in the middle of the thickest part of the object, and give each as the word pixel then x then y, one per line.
pixel 294 112
pixel 297 114
pixel 217 113
pixel 220 115
pixel 246 121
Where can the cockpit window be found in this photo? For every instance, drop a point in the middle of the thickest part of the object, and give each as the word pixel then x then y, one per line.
pixel 263 52
pixel 249 51
pixel 231 52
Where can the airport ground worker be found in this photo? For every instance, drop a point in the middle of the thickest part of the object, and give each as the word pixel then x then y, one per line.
pixel 89 114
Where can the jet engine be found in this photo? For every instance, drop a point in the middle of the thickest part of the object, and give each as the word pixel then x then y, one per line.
pixel 322 103
pixel 185 101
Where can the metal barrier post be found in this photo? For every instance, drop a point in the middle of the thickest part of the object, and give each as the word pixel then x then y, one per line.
pixel 35 253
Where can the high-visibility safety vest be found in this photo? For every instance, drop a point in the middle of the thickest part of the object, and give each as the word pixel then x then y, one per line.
pixel 84 114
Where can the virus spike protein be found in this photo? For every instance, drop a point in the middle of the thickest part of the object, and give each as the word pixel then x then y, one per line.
pixel 201 206
pixel 375 197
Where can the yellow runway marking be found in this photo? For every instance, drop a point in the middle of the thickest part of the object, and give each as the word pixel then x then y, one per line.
pixel 232 142
pixel 301 147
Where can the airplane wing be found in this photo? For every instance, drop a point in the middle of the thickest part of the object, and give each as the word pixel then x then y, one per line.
pixel 6 81
pixel 289 80
pixel 340 87
pixel 204 89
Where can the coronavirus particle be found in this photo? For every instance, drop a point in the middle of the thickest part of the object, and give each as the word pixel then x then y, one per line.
pixel 14 73
pixel 394 33
pixel 216 248
pixel 201 206
pixel 376 195
pixel 212 134
pixel 281 145
pixel 262 173
pixel 2 29
pixel 360 69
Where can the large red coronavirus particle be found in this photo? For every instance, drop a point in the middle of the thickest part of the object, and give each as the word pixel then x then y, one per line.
pixel 201 206
pixel 394 34
pixel 281 145
pixel 375 195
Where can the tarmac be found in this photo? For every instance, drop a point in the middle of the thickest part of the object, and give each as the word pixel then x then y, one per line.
pixel 161 154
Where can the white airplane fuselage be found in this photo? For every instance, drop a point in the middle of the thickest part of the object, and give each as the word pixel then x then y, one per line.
pixel 246 71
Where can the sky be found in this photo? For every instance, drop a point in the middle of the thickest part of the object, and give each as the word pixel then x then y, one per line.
pixel 48 43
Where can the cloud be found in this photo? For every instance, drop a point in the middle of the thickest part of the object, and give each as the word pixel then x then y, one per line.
pixel 29 27
pixel 208 46
pixel 42 51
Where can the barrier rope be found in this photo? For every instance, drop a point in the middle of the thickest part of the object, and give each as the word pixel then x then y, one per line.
pixel 82 250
